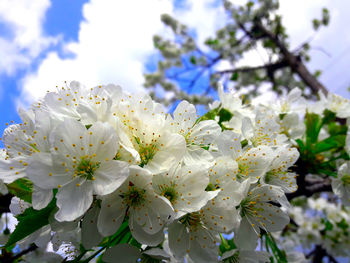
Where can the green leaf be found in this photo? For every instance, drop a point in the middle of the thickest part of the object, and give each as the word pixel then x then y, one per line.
pixel 212 42
pixel 333 142
pixel 335 129
pixel 30 221
pixel 250 4
pixel 325 16
pixel 134 243
pixel 244 143
pixel 278 254
pixel 328 116
pixel 343 225
pixel 328 225
pixel 22 188
pixel 313 126
pixel 282 115
pixel 316 24
pixel 99 259
pixel 234 76
pixel 210 115
pixel 193 60
pixel 224 115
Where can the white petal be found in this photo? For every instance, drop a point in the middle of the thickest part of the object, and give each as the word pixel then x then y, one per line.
pixel 204 132
pixel 197 155
pixel 44 174
pixel 219 217
pixel 172 151
pixel 111 215
pixel 103 141
pixel 109 176
pixel 18 206
pixel 246 237
pixel 178 239
pixel 247 128
pixel 124 253
pixel 143 237
pixel 189 205
pixel 203 248
pixel 73 201
pixel 272 217
pixel 229 144
pixel 90 236
pixel 41 197
pixel 11 170
pixel 294 95
pixel 193 181
pixel 68 138
pixel 3 188
pixel 185 115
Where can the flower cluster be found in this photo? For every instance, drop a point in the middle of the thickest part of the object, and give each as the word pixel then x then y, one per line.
pixel 107 167
pixel 322 223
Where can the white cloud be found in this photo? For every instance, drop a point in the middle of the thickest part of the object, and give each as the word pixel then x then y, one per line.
pixel 23 19
pixel 205 16
pixel 115 40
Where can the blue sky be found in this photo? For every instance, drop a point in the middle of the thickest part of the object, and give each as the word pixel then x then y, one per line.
pixel 45 42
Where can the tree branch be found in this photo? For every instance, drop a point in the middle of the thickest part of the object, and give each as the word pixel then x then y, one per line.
pixel 11 259
pixel 271 67
pixel 307 189
pixel 294 61
pixel 319 253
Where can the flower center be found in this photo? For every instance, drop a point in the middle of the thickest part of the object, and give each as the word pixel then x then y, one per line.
pixel 170 193
pixel 233 259
pixel 212 187
pixel 134 197
pixel 146 151
pixel 86 168
pixel 192 219
pixel 247 207
pixel 243 170
pixel 275 173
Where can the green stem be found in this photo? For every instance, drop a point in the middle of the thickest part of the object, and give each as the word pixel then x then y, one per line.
pixel 224 242
pixel 80 256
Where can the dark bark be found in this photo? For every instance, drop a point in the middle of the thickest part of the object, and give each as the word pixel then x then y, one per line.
pixel 9 257
pixel 293 61
pixel 271 67
pixel 319 253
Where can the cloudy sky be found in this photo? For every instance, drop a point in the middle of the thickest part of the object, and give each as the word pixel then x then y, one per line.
pixel 44 42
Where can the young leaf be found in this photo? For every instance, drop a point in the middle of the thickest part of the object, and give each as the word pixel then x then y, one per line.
pixel 330 143
pixel 224 115
pixel 30 221
pixel 335 129
pixel 328 116
pixel 22 188
pixel 313 127
pixel 210 115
